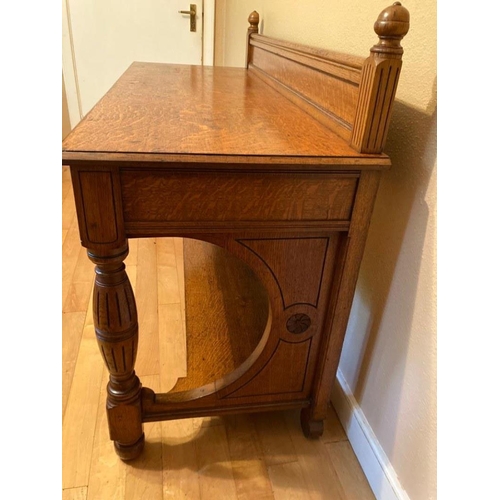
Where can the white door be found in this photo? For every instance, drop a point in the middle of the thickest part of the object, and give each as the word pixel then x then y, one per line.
pixel 101 38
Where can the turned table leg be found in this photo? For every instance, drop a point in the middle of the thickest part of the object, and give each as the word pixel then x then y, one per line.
pixel 115 321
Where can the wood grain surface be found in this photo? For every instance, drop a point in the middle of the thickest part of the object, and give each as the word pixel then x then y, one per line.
pixel 156 196
pixel 172 109
pixel 323 83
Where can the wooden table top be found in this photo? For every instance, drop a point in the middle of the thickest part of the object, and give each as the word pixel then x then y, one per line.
pixel 157 110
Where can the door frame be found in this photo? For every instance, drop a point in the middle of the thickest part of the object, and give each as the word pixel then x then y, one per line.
pixel 69 69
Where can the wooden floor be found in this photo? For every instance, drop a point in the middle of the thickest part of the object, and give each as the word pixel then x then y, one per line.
pixel 261 456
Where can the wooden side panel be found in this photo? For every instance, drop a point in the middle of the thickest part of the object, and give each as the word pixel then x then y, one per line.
pixel 323 83
pixel 299 279
pixel 332 93
pixel 226 197
pixel 282 367
pixel 351 96
pixel 284 373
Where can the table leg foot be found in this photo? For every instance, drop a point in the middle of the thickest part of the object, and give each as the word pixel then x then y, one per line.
pixel 311 428
pixel 129 451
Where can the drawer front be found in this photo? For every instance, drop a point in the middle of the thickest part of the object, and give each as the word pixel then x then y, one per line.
pixel 177 197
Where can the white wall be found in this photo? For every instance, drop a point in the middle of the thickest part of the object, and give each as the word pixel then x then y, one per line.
pixel 389 355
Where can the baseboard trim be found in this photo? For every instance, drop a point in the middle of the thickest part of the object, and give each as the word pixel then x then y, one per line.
pixel 378 470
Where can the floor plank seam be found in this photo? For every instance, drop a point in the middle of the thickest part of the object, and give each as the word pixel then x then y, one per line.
pixel 73 376
pixel 330 441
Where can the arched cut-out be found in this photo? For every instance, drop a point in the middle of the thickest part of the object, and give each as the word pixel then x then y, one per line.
pixel 227 317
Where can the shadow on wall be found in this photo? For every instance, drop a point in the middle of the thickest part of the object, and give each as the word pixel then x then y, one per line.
pixel 66 127
pixel 382 318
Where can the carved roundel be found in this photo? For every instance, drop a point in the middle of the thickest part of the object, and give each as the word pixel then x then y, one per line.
pixel 298 323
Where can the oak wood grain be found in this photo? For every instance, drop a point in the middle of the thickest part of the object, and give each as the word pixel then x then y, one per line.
pixel 154 196
pixel 326 88
pixel 176 109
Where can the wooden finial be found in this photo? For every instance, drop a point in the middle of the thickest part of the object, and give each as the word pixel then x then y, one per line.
pixel 379 81
pixel 253 19
pixel 391 26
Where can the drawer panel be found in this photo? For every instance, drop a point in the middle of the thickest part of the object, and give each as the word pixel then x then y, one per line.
pixel 166 196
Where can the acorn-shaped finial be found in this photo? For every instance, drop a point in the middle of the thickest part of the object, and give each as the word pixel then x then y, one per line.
pixel 391 26
pixel 253 19
pixel 393 21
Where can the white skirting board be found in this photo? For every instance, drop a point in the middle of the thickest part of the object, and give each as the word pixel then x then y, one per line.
pixel 378 470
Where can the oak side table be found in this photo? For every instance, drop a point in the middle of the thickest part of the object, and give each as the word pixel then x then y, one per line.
pixel 278 164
